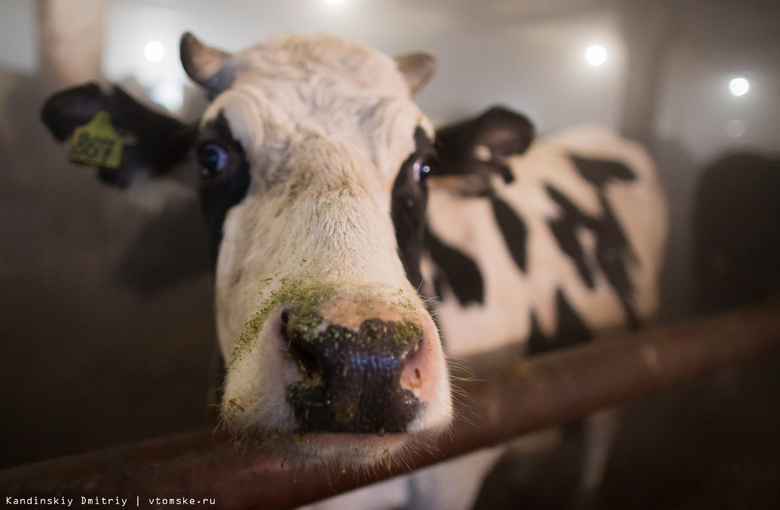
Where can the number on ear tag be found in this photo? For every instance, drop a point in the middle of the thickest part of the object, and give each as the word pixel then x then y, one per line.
pixel 97 143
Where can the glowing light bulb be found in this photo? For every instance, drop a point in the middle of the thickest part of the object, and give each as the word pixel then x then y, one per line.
pixel 739 86
pixel 596 55
pixel 154 51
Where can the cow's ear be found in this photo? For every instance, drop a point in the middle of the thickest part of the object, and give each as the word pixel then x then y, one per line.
pixel 503 132
pixel 119 136
pixel 490 137
pixel 473 151
pixel 209 67
pixel 66 110
pixel 417 69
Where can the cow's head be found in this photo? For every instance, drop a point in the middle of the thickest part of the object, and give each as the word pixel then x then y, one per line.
pixel 312 158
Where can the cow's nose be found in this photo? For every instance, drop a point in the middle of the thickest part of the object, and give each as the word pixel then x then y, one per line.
pixel 350 379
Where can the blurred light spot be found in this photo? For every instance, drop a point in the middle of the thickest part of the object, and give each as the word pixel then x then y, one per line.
pixel 154 51
pixel 335 1
pixel 739 86
pixel 735 128
pixel 168 94
pixel 596 55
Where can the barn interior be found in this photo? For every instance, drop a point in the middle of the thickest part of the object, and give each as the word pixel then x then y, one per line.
pixel 106 297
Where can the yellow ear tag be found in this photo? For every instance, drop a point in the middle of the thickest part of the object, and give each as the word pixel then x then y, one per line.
pixel 97 143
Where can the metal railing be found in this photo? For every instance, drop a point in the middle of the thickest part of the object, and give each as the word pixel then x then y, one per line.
pixel 518 397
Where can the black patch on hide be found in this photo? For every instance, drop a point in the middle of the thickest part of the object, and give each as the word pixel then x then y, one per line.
pixel 571 329
pixel 600 171
pixel 513 230
pixel 613 252
pixel 407 210
pixel 219 193
pixel 456 270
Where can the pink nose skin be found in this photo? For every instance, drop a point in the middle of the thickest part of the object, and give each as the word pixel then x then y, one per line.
pixel 425 373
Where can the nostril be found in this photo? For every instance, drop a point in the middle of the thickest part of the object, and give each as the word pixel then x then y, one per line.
pixel 298 345
pixel 307 360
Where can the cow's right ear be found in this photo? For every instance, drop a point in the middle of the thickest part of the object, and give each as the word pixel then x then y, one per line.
pixel 66 110
pixel 492 136
pixel 119 136
pixel 473 151
pixel 504 132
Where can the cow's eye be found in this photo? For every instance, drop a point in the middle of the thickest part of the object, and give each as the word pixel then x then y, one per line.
pixel 213 159
pixel 423 167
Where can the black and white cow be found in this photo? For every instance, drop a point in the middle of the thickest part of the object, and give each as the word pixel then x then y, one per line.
pixel 316 172
pixel 551 244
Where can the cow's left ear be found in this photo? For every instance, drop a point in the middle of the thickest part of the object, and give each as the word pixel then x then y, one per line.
pixel 417 69
pixel 476 149
pixel 490 137
pixel 503 132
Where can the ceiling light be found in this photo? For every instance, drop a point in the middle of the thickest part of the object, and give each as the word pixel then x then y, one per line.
pixel 596 55
pixel 739 86
pixel 154 51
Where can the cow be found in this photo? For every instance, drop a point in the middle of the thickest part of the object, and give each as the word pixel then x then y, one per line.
pixel 546 243
pixel 338 218
pixel 308 156
pixel 551 245
pixel 736 243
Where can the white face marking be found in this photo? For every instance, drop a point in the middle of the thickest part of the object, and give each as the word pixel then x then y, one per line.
pixel 325 126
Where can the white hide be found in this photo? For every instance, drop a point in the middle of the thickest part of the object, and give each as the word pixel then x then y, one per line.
pixel 325 125
pixel 511 295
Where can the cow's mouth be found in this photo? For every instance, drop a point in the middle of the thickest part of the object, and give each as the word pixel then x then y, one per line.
pixel 360 413
pixel 347 449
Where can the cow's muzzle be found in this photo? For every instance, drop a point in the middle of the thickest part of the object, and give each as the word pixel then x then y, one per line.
pixel 350 379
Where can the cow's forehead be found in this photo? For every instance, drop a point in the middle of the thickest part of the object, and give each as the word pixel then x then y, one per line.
pixel 322 57
pixel 291 89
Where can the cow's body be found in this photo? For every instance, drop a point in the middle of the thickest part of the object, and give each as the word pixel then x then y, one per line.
pixel 314 182
pixel 736 232
pixel 572 245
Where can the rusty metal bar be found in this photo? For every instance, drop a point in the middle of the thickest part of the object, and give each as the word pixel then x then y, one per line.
pixel 519 397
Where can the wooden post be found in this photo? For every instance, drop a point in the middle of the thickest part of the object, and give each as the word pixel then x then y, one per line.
pixel 71 40
pixel 648 30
